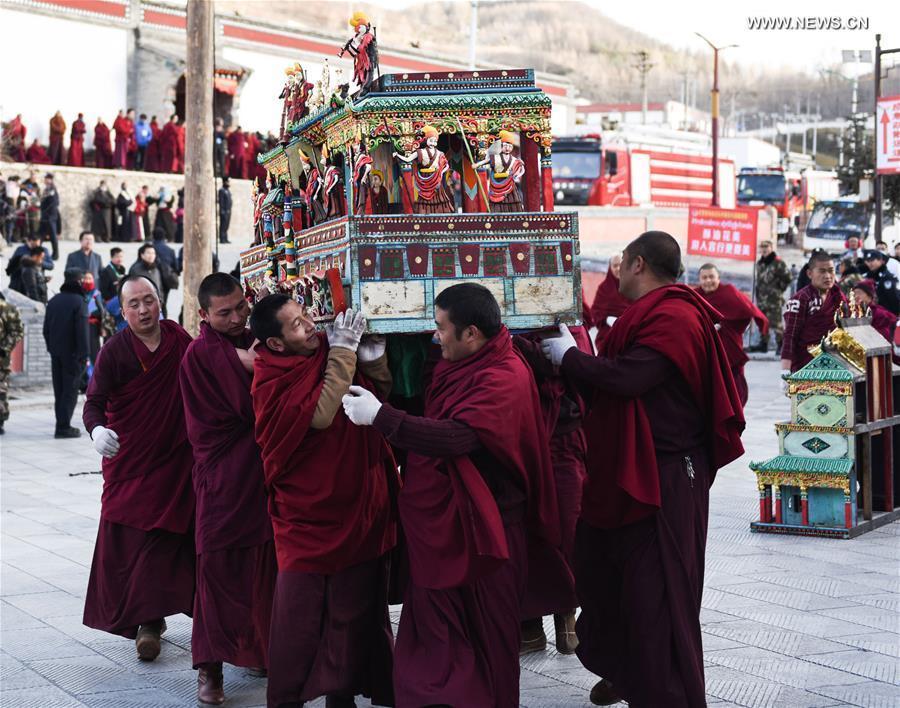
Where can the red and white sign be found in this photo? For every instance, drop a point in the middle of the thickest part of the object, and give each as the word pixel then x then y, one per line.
pixel 722 233
pixel 887 135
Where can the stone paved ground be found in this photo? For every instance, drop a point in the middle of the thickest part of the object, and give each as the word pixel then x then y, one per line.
pixel 787 621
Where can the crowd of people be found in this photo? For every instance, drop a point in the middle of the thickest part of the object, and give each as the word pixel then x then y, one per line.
pixel 252 480
pixel 267 479
pixel 136 142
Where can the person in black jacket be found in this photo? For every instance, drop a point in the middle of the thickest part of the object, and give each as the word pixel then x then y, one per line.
pixel 886 287
pixel 112 274
pixel 224 210
pixel 49 224
pixel 31 275
pixel 66 335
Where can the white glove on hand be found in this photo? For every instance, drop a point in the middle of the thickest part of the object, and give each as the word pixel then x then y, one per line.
pixel 610 321
pixel 360 405
pixel 554 348
pixel 346 330
pixel 106 442
pixel 784 383
pixel 371 347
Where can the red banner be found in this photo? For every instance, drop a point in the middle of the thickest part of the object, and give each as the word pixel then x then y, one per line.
pixel 722 233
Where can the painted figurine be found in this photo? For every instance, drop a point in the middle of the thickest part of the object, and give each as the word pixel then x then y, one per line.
pixel 364 50
pixel 505 172
pixel 430 174
pixel 362 166
pixel 332 189
pixel 315 212
pixel 378 197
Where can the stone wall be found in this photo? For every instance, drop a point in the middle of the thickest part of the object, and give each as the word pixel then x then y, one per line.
pixel 75 185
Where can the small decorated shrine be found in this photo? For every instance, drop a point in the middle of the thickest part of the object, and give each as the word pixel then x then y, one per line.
pixel 380 197
pixel 836 472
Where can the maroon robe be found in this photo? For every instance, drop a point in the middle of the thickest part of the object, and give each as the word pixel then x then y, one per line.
pixel 124 128
pixel 15 132
pixel 168 147
pixel 235 555
pixel 102 148
pixel 152 157
pixel 250 150
pixel 737 312
pixel 76 144
pixel 664 417
pixel 808 317
pixel 179 149
pixel 57 151
pixel 36 154
pixel 143 565
pixel 378 201
pixel 608 302
pixel 465 510
pixel 333 523
pixel 236 162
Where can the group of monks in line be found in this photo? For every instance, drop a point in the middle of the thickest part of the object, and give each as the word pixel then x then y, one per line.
pixel 259 480
pixel 133 143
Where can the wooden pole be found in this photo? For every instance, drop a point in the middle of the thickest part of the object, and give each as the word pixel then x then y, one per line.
pixel 199 182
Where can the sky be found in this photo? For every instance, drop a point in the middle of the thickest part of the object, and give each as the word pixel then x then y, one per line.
pixel 726 22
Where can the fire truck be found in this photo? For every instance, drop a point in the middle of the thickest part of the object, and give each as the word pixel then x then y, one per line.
pixel 773 186
pixel 617 170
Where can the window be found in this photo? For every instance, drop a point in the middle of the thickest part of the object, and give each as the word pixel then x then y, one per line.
pixel 495 261
pixel 545 260
pixel 391 264
pixel 443 263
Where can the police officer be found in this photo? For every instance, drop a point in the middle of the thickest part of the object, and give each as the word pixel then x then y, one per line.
pixel 885 282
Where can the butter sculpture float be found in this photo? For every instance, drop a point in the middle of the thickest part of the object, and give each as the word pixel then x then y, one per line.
pixel 358 210
pixel 836 473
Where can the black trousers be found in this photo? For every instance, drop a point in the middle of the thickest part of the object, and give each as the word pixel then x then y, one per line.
pixel 140 157
pixel 47 230
pixel 224 223
pixel 66 373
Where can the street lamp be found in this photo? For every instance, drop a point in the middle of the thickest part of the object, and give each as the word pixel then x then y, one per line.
pixel 715 116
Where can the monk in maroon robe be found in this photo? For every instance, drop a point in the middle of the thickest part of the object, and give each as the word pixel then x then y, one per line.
pixel 329 484
pixel 143 566
pixel 809 314
pixel 36 154
pixel 551 588
pixel 179 148
pixel 664 417
pixel 235 555
pixel 14 133
pixel 168 145
pixel 76 142
pixel 57 150
pixel 609 304
pixel 236 154
pixel 152 158
pixel 251 147
pixel 883 320
pixel 123 125
pixel 737 312
pixel 478 491
pixel 103 155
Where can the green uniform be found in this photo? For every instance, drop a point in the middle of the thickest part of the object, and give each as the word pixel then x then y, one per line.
pixel 11 332
pixel 772 278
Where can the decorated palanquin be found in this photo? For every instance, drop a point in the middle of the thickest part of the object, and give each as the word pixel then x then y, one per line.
pixel 836 472
pixel 362 208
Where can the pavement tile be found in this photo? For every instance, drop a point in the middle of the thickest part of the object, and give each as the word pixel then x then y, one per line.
pixel 40 697
pixel 41 643
pixel 88 674
pixel 861 663
pixel 872 694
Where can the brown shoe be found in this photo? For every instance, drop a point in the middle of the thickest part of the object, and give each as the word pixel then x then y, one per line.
pixel 533 637
pixel 210 685
pixel 603 694
pixel 566 639
pixel 148 640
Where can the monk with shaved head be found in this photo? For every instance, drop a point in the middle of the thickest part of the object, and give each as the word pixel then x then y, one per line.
pixel 143 566
pixel 664 417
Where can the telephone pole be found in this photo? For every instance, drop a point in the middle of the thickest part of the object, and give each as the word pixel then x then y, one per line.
pixel 199 181
pixel 643 66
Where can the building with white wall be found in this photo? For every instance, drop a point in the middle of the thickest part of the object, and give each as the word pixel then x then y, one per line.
pixel 99 56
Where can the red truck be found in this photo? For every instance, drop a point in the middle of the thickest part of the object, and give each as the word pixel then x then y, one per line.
pixel 618 172
pixel 773 186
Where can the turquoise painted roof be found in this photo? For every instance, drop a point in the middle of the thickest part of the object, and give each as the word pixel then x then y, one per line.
pixel 824 367
pixel 813 465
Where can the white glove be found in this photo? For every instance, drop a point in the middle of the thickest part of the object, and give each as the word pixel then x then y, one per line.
pixel 360 405
pixel 555 348
pixel 371 347
pixel 610 321
pixel 784 383
pixel 106 442
pixel 346 330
